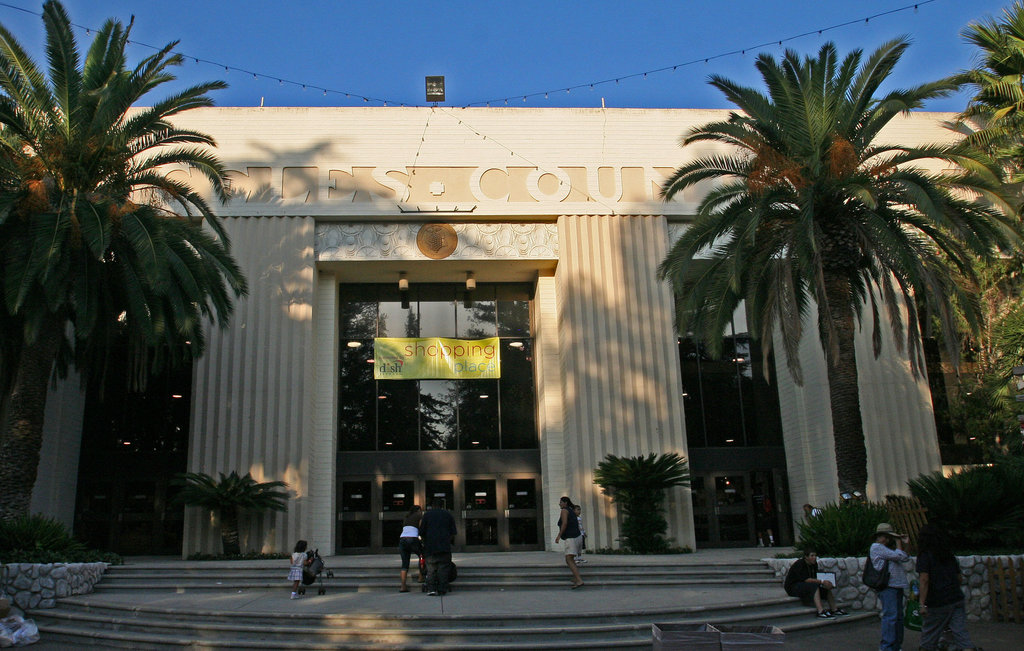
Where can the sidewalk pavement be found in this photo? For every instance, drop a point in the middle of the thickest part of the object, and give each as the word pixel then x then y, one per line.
pixel 472 604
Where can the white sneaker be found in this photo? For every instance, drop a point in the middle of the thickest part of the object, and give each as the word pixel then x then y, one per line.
pixel 580 559
pixel 295 595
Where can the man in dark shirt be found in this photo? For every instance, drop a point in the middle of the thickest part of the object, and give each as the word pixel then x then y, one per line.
pixel 802 581
pixel 437 530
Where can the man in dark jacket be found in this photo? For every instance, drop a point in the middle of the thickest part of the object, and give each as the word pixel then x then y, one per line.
pixel 802 581
pixel 437 530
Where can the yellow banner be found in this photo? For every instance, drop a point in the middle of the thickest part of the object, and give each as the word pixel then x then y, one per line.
pixel 432 358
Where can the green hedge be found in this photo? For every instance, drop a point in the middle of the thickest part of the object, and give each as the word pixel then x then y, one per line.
pixel 842 529
pixel 979 508
pixel 39 539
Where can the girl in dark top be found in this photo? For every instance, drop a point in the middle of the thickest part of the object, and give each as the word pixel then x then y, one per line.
pixel 942 600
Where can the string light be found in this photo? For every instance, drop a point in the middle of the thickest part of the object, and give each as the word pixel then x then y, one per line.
pixel 227 68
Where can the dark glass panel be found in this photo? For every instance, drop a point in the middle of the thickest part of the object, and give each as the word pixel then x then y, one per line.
pixel 397 321
pixel 356 398
pixel 734 527
pixel 522 531
pixel 481 495
pixel 731 490
pixel 437 311
pixel 482 531
pixel 355 496
pixel 357 319
pixel 690 357
pixel 513 318
pixel 390 532
pixel 355 534
pixel 720 394
pixel 397 496
pixel 441 489
pixel 438 426
pixel 478 414
pixel 518 423
pixel 761 403
pixel 397 415
pixel 522 494
pixel 476 320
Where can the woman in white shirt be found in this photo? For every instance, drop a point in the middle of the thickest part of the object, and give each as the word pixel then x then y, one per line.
pixel 409 543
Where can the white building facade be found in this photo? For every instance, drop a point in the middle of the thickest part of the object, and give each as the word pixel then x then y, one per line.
pixel 555 214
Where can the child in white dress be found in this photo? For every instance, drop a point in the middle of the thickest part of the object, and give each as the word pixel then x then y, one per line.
pixel 299 561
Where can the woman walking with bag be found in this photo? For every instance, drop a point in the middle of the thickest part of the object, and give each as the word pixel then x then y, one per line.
pixel 888 549
pixel 571 540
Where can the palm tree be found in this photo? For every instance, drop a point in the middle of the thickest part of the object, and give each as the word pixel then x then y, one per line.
pixel 812 210
pixel 998 84
pixel 229 497
pixel 638 485
pixel 89 244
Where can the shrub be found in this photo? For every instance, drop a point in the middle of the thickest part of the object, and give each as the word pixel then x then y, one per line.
pixel 39 539
pixel 842 529
pixel 637 485
pixel 981 507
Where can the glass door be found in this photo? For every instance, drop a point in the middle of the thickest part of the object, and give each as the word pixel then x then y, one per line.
pixel 397 497
pixel 732 525
pixel 354 518
pixel 480 514
pixel 521 514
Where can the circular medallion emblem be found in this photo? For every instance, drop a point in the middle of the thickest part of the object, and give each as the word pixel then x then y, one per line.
pixel 437 241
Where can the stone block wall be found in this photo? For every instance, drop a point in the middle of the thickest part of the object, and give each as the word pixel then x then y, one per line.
pixel 850 590
pixel 39 585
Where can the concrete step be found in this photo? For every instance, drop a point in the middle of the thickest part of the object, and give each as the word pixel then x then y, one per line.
pixel 119 626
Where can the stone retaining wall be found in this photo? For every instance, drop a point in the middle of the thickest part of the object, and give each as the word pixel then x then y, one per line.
pixel 39 585
pixel 858 596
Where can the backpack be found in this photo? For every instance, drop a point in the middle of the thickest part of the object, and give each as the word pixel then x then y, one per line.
pixel 875 579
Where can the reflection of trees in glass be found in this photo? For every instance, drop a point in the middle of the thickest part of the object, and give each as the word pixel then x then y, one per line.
pixel 397 416
pixel 478 415
pixel 406 320
pixel 356 400
pixel 478 320
pixel 514 318
pixel 438 425
pixel 518 427
pixel 357 319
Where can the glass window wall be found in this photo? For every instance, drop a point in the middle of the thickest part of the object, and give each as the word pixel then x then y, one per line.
pixel 435 414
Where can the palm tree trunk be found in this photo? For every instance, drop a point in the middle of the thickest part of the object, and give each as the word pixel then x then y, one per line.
pixel 22 435
pixel 229 531
pixel 843 388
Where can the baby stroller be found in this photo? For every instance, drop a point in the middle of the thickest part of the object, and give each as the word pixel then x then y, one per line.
pixel 314 570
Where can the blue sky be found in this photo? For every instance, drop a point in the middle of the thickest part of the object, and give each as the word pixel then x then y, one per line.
pixel 491 50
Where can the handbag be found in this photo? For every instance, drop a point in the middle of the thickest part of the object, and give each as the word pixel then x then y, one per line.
pixel 912 615
pixel 873 578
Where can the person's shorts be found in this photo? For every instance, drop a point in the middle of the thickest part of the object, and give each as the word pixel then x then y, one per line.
pixel 572 546
pixel 806 592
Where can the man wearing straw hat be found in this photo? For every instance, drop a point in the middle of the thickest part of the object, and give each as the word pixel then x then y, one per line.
pixel 888 550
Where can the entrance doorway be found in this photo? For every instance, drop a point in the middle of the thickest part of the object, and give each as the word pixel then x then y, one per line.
pixel 492 512
pixel 739 509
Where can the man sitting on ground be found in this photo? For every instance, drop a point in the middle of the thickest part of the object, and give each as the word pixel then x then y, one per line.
pixel 802 581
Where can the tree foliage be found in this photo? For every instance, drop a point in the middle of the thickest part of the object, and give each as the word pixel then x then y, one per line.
pixel 637 485
pixel 98 238
pixel 980 508
pixel 997 106
pixel 229 497
pixel 812 211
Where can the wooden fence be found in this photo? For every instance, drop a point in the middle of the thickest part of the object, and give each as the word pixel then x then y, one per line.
pixel 907 515
pixel 1007 593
